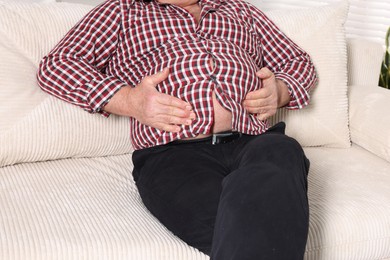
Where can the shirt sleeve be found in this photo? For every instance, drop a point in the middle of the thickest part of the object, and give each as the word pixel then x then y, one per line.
pixel 286 60
pixel 74 70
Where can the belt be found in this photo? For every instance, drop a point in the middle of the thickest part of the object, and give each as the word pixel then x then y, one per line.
pixel 219 138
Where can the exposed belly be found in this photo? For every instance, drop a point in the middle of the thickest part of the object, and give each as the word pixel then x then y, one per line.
pixel 222 116
pixel 222 120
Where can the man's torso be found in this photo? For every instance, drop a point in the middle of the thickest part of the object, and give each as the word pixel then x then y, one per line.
pixel 212 64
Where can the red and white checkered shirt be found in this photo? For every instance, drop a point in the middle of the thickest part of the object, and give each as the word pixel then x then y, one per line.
pixel 122 41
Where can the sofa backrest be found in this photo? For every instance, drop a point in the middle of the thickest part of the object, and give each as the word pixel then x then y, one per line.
pixel 37 127
pixel 364 62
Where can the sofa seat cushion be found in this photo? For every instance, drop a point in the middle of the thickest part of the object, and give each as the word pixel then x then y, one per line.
pixel 80 209
pixel 89 208
pixel 349 199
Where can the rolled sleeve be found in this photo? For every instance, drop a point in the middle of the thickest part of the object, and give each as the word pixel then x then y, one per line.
pixel 101 93
pixel 75 70
pixel 299 97
pixel 285 59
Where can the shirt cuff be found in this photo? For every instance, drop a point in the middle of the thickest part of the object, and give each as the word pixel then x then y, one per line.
pixel 101 92
pixel 298 94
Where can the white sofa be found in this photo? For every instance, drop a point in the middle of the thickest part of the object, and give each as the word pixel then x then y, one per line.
pixel 66 190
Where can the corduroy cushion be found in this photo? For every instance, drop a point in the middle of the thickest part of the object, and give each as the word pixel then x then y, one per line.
pixel 33 125
pixel 36 127
pixel 364 62
pixel 320 31
pixel 370 119
pixel 89 208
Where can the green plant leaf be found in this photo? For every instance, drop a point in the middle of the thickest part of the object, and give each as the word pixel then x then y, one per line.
pixel 384 78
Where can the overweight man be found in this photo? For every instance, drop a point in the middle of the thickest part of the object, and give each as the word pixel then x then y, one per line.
pixel 198 80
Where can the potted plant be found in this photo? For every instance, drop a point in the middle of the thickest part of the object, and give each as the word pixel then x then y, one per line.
pixel 384 79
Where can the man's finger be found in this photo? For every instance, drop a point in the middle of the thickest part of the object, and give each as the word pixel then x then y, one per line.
pixel 258 94
pixel 256 103
pixel 264 73
pixel 174 120
pixel 258 110
pixel 174 111
pixel 168 127
pixel 168 100
pixel 155 79
pixel 263 116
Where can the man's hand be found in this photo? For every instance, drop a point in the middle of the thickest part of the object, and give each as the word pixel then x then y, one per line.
pixel 151 107
pixel 265 101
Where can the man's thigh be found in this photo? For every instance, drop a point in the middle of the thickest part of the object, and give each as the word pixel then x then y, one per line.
pixel 181 186
pixel 271 148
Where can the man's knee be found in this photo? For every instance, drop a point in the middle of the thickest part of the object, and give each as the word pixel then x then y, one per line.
pixel 273 160
pixel 277 149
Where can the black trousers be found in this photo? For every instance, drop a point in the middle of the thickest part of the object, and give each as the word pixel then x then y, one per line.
pixel 243 200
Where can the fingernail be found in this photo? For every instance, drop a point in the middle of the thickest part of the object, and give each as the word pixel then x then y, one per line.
pixel 188 122
pixel 192 115
pixel 189 108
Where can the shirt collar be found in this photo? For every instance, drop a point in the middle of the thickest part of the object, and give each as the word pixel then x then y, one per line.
pixel 128 2
pixel 208 4
pixel 212 4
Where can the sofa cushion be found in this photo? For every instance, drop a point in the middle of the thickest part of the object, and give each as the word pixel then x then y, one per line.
pixel 364 62
pixel 89 208
pixel 83 208
pixel 36 127
pixel 320 31
pixel 370 118
pixel 33 125
pixel 349 199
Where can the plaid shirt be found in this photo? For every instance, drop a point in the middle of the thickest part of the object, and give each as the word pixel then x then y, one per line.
pixel 122 41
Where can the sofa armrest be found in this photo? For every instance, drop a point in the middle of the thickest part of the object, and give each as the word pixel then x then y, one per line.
pixel 369 117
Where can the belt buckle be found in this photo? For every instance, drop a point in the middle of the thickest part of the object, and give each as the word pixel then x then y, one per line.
pixel 216 138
